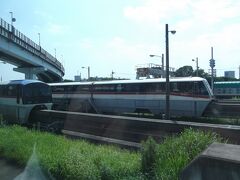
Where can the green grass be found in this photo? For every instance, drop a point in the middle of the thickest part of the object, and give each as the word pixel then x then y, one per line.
pixel 78 159
pixel 176 152
pixel 68 159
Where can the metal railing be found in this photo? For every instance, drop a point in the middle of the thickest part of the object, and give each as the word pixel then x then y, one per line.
pixel 9 32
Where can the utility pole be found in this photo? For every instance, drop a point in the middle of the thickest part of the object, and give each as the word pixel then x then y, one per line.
pixel 167 75
pixel 163 75
pixel 167 72
pixel 196 65
pixel 239 73
pixel 88 72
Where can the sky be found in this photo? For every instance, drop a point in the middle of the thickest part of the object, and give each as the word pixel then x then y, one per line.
pixel 117 35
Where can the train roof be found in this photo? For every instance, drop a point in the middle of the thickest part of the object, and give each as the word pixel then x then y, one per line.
pixel 182 79
pixel 227 84
pixel 22 82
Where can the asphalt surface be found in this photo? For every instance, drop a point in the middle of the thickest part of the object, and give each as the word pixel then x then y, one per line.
pixel 9 170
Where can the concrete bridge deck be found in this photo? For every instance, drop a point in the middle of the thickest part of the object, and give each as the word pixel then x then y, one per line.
pixel 30 58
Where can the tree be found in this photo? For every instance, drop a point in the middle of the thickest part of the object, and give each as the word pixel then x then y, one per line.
pixel 184 71
pixel 201 73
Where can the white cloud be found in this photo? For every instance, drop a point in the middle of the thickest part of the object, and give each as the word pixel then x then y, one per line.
pixel 210 11
pixel 200 24
pixel 46 17
pixel 200 11
pixel 154 11
pixel 85 44
pixel 57 28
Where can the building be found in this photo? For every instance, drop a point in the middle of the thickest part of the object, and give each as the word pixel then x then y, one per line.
pixel 230 74
pixel 77 78
pixel 152 70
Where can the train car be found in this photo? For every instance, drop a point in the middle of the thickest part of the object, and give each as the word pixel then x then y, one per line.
pixel 189 96
pixel 227 89
pixel 20 98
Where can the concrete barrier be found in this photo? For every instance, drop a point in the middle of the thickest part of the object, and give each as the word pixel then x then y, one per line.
pixel 132 128
pixel 218 161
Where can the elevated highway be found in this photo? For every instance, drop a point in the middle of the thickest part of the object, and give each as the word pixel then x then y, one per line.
pixel 30 58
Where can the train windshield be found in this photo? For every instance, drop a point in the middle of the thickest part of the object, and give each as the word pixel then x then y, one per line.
pixel 208 88
pixel 36 93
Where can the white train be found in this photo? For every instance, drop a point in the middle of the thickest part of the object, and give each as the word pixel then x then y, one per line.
pixel 20 98
pixel 189 96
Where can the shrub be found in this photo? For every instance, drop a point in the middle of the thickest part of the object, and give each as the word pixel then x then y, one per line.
pixel 149 157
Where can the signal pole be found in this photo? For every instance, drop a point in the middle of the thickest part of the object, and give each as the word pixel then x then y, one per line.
pixel 112 74
pixel 212 65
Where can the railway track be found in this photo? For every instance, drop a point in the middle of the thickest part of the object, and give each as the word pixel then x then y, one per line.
pixel 129 131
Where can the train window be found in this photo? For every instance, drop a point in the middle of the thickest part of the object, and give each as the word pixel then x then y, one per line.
pixel 82 89
pixel 150 88
pixel 69 89
pixel 182 87
pixel 162 88
pixel 218 90
pixel 58 89
pixel 230 91
pixel 44 91
pixel 104 88
pixel 36 93
pixel 174 87
pixel 131 88
pixel 1 90
pixel 144 88
pixel 238 90
pixel 202 89
pixel 119 88
pixel 11 90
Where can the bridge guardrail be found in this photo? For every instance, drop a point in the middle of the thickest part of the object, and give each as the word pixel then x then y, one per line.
pixel 11 33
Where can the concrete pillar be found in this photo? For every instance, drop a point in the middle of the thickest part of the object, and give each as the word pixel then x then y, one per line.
pixel 30 72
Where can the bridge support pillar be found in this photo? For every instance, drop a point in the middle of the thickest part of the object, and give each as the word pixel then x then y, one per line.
pixel 30 72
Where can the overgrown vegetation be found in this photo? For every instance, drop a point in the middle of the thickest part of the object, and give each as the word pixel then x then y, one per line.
pixel 75 159
pixel 68 159
pixel 148 153
pixel 175 153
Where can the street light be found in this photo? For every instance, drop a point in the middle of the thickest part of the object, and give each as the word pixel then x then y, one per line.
pixel 12 18
pixel 167 72
pixel 88 68
pixel 55 52
pixel 162 56
pixel 39 35
pixel 196 65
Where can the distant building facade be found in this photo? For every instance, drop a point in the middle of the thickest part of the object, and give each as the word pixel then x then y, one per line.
pixel 77 78
pixel 230 74
pixel 152 70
